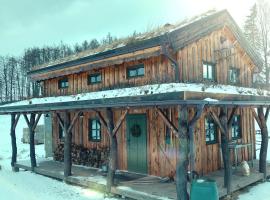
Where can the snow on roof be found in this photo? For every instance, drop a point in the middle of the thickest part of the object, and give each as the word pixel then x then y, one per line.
pixel 155 32
pixel 146 90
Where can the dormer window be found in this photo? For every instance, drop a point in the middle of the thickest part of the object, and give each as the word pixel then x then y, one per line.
pixel 234 75
pixel 94 78
pixel 135 71
pixel 208 71
pixel 63 83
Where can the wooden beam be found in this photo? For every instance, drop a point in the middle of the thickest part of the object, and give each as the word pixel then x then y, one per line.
pixel 67 146
pixel 36 121
pixel 230 120
pixel 191 125
pixel 77 114
pixel 216 119
pixel 16 120
pixel 60 120
pixel 113 150
pixel 32 141
pixel 102 121
pixel 120 121
pixel 267 113
pixel 182 155
pixel 167 121
pixel 26 119
pixel 264 141
pixel 13 141
pixel 255 115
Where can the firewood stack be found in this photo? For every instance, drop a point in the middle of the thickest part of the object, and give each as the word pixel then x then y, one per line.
pixel 83 156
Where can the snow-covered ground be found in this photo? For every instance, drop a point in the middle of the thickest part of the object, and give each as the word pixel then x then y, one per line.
pixel 29 186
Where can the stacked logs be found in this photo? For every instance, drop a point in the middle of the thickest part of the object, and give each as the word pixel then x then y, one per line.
pixel 82 156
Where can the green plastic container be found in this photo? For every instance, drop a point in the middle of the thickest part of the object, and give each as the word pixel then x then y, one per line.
pixel 204 190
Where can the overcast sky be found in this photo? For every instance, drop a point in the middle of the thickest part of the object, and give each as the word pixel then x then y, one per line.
pixel 27 23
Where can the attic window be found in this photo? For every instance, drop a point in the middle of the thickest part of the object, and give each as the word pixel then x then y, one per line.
pixel 234 75
pixel 94 78
pixel 208 71
pixel 135 71
pixel 63 83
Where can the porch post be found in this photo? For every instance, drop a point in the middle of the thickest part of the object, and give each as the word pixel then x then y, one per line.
pixel 32 142
pixel 32 123
pixel 182 155
pixel 67 146
pixel 225 148
pixel 14 121
pixel 264 143
pixel 113 150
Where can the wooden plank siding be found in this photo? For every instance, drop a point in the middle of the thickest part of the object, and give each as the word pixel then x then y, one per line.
pixel 161 155
pixel 158 69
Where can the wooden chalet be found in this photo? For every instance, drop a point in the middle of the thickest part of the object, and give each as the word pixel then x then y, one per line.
pixel 167 102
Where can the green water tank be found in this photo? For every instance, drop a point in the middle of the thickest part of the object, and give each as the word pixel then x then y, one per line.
pixel 202 189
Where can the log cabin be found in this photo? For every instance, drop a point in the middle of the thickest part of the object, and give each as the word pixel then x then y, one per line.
pixel 167 102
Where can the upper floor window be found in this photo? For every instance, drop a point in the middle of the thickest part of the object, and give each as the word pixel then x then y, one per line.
pixel 210 131
pixel 63 83
pixel 234 75
pixel 135 71
pixel 94 134
pixel 236 129
pixel 208 71
pixel 94 78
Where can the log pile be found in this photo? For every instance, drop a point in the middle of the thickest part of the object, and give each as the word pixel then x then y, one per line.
pixel 83 156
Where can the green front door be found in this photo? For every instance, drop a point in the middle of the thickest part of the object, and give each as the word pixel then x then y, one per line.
pixel 137 143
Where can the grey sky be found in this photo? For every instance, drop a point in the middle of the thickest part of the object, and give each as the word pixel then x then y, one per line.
pixel 27 23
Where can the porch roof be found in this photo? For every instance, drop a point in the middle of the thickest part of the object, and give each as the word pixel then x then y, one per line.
pixel 148 95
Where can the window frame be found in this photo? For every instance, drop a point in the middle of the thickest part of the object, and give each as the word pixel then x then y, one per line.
pixel 63 80
pixel 237 70
pixel 239 136
pixel 95 75
pixel 135 67
pixel 90 130
pixel 213 65
pixel 209 119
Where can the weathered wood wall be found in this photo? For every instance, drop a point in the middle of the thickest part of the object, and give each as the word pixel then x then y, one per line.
pixel 159 70
pixel 162 156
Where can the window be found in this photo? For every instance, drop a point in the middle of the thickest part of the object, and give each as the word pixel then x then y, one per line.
pixel 236 129
pixel 94 130
pixel 94 78
pixel 234 75
pixel 61 132
pixel 210 131
pixel 208 71
pixel 63 83
pixel 135 71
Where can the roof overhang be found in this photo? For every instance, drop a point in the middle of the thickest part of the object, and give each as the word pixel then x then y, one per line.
pixel 164 100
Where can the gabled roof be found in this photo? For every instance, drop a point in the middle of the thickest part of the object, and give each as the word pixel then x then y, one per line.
pixel 178 35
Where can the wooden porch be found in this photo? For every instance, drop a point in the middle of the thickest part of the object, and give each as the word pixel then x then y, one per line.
pixel 136 186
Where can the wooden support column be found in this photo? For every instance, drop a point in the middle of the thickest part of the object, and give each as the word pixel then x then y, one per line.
pixel 225 125
pixel 67 126
pixel 32 124
pixel 261 119
pixel 113 150
pixel 191 127
pixel 14 120
pixel 182 155
pixel 112 130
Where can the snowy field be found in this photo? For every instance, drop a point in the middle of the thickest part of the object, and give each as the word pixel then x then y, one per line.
pixel 29 186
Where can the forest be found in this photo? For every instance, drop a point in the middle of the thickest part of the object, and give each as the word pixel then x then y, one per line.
pixel 14 84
